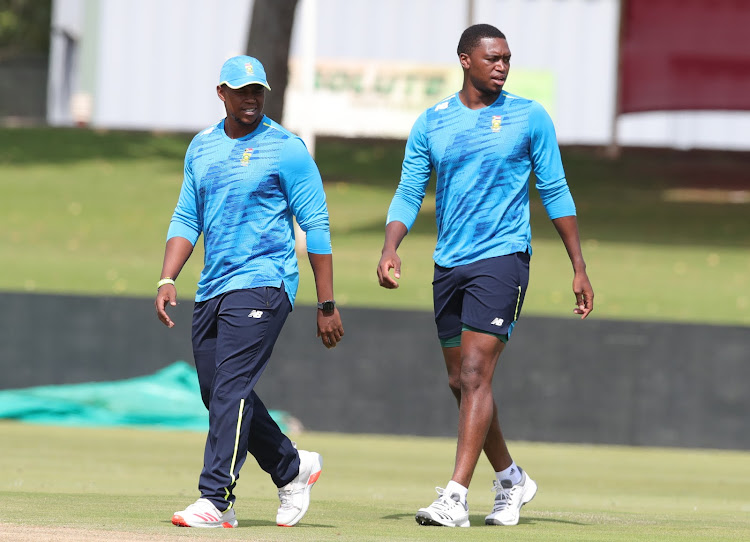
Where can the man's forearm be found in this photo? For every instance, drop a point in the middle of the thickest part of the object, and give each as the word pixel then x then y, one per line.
pixel 322 267
pixel 567 228
pixel 395 232
pixel 176 253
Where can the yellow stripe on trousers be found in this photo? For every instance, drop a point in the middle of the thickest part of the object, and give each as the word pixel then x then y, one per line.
pixel 234 454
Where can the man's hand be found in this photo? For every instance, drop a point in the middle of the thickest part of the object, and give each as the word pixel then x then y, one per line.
pixel 330 328
pixel 584 294
pixel 176 253
pixel 395 232
pixel 567 227
pixel 165 294
pixel 389 260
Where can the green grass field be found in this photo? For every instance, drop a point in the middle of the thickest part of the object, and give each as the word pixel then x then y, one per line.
pixel 75 484
pixel 87 212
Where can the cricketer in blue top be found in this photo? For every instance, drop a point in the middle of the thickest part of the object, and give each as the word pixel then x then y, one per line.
pixel 483 143
pixel 242 195
pixel 246 179
pixel 483 159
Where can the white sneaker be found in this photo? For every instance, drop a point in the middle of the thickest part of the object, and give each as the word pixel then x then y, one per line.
pixel 202 513
pixel 295 496
pixel 446 511
pixel 509 499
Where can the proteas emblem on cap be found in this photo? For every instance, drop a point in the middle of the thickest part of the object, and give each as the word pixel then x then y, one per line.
pixel 249 69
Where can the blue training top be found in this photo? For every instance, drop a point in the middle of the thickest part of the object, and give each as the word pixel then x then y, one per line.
pixel 241 194
pixel 483 159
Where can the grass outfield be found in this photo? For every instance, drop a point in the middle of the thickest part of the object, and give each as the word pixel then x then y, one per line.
pixel 72 484
pixel 87 212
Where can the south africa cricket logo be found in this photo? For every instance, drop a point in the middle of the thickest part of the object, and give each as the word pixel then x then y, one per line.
pixel 246 156
pixel 497 120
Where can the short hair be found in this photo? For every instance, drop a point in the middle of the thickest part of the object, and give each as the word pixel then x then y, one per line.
pixel 474 34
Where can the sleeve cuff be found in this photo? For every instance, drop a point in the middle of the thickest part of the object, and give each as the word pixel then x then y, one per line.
pixel 319 241
pixel 176 229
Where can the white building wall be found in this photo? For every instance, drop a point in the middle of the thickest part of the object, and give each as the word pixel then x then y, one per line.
pixel 577 41
pixel 156 64
pixel 159 61
pixel 66 32
pixel 720 130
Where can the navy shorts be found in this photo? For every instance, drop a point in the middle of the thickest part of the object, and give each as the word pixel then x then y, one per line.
pixel 486 295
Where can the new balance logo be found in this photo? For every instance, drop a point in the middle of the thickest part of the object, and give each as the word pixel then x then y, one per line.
pixel 497 322
pixel 255 314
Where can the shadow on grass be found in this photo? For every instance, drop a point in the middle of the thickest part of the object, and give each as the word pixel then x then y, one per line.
pixel 623 199
pixel 533 521
pixel 303 525
pixel 479 520
pixel 34 146
pixel 398 516
pixel 245 522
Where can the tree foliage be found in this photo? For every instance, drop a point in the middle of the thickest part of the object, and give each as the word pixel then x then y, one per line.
pixel 24 26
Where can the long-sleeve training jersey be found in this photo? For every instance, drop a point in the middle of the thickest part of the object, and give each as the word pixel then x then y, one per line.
pixel 483 159
pixel 242 195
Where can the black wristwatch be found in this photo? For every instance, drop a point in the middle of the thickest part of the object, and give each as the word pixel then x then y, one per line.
pixel 327 305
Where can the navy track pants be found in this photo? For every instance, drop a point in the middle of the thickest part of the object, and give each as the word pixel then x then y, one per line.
pixel 233 336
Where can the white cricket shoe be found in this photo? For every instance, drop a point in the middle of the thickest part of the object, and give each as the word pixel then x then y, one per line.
pixel 295 496
pixel 509 499
pixel 202 513
pixel 446 511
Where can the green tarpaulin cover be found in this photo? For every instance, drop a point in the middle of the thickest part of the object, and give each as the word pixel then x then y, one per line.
pixel 168 399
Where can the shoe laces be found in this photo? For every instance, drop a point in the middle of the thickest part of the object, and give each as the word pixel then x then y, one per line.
pixel 504 497
pixel 444 502
pixel 286 493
